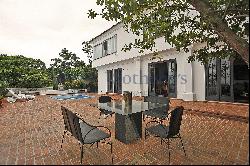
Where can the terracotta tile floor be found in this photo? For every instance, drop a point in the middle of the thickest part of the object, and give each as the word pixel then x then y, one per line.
pixel 212 133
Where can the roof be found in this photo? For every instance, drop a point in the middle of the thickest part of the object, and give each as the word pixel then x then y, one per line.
pixel 104 31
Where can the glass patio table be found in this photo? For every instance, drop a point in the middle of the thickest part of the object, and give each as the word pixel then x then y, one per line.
pixel 128 118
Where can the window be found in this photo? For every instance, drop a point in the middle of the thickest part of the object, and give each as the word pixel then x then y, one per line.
pixel 105 48
pixel 109 46
pixel 97 51
pixel 118 80
pixel 110 80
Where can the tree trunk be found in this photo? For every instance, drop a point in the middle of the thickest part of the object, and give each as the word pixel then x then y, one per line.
pixel 240 45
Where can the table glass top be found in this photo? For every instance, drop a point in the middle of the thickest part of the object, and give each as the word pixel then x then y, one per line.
pixel 123 108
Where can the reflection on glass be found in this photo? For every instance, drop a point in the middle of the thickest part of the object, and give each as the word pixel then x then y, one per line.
pixel 212 78
pixel 225 77
pixel 110 80
pixel 171 77
pixel 152 78
pixel 241 81
pixel 122 108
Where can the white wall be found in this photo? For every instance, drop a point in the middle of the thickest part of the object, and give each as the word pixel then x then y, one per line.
pixel 123 38
pixel 134 65
pixel 102 80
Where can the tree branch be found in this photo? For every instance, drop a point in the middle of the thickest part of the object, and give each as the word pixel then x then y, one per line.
pixel 223 17
pixel 237 43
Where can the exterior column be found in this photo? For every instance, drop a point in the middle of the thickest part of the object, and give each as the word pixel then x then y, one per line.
pixel 137 83
pixel 188 94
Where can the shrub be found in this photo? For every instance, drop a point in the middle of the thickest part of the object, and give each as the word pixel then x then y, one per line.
pixel 35 80
pixel 3 89
pixel 75 84
pixel 92 86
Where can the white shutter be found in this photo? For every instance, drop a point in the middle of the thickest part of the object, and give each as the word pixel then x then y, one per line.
pixel 99 51
pixel 109 46
pixel 115 43
pixel 112 45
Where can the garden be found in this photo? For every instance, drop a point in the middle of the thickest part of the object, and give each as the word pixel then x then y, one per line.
pixel 67 71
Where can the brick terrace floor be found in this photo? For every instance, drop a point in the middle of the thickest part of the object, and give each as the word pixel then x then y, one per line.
pixel 31 133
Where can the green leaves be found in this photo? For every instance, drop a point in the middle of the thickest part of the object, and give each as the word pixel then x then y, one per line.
pixel 92 14
pixel 19 71
pixel 87 48
pixel 66 61
pixel 3 90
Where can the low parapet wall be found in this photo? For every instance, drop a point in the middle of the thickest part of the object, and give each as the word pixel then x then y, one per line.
pixel 28 90
pixel 214 107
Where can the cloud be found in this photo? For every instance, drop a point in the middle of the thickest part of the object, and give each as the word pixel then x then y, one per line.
pixel 41 28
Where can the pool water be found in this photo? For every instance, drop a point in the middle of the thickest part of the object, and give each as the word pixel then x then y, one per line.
pixel 66 97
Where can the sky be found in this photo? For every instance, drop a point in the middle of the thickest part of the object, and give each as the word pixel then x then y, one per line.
pixel 40 29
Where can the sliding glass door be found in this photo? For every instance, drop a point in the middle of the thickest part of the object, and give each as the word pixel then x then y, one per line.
pixel 219 80
pixel 172 78
pixel 114 80
pixel 118 80
pixel 109 80
pixel 151 81
pixel 158 72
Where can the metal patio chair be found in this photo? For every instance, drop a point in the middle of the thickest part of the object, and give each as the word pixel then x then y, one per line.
pixel 167 132
pixel 105 99
pixel 84 132
pixel 158 113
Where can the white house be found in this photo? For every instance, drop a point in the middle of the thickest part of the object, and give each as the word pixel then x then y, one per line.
pixel 118 71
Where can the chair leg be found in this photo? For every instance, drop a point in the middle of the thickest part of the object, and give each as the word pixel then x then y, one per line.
pixel 81 153
pixel 64 132
pixel 145 134
pixel 182 145
pixel 97 144
pixel 92 144
pixel 111 150
pixel 168 152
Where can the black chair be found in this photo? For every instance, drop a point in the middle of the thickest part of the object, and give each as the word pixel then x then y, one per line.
pixel 158 113
pixel 84 132
pixel 167 132
pixel 105 99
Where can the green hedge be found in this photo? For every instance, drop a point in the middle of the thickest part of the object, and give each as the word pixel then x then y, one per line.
pixel 75 84
pixel 3 90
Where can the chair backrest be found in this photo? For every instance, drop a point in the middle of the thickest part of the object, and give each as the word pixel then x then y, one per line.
pixel 104 99
pixel 65 118
pixel 71 122
pixel 76 126
pixel 155 99
pixel 175 121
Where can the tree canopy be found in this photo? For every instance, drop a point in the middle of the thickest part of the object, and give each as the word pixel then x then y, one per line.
pixel 222 24
pixel 67 60
pixel 76 73
pixel 20 71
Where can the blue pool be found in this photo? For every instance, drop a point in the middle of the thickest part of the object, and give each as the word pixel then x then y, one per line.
pixel 66 97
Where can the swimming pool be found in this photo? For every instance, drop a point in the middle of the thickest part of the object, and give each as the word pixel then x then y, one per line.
pixel 75 96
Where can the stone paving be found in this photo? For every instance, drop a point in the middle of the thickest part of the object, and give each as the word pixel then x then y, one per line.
pixel 213 134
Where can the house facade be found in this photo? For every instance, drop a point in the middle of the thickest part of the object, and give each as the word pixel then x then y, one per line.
pixel 143 75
